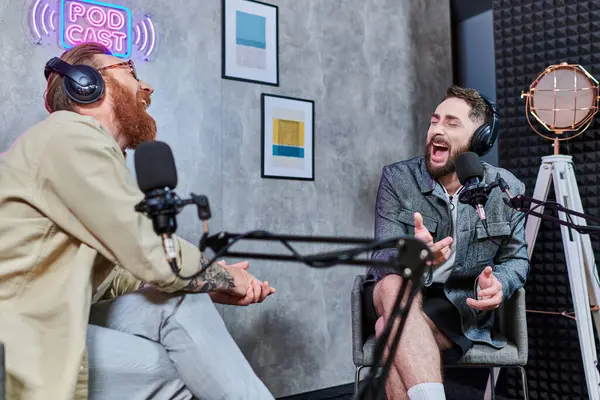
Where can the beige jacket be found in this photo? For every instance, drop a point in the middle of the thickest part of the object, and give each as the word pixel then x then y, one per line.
pixel 66 220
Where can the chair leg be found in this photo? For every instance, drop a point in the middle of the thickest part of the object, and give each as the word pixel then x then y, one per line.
pixel 524 382
pixel 493 384
pixel 357 377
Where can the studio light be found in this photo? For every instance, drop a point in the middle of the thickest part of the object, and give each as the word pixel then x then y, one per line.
pixel 564 100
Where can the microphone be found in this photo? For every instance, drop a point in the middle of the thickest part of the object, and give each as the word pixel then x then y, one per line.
pixel 470 174
pixel 157 177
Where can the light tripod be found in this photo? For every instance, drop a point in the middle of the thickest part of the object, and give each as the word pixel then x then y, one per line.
pixel 579 256
pixel 564 99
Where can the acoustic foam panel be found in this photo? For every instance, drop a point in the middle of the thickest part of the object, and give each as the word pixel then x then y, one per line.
pixel 531 35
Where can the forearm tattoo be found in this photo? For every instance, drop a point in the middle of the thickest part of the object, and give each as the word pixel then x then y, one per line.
pixel 211 279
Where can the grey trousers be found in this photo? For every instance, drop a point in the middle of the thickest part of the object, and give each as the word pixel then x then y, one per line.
pixel 152 345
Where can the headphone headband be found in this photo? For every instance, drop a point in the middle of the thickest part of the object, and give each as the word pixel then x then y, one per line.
pixel 491 104
pixel 65 69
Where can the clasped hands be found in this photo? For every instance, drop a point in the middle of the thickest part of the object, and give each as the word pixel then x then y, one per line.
pixel 247 289
pixel 490 295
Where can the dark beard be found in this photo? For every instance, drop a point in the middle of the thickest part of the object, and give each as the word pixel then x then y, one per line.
pixel 130 113
pixel 446 169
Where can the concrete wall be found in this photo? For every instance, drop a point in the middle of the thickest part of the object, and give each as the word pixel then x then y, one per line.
pixel 375 69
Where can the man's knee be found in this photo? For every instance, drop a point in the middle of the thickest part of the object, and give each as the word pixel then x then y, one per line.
pixel 386 292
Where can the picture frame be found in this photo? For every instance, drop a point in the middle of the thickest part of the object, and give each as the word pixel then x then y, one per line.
pixel 287 138
pixel 250 41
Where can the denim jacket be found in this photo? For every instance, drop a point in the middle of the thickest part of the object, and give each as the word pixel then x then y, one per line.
pixel 406 187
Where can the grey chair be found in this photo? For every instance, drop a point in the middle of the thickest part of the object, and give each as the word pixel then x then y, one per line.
pixel 513 325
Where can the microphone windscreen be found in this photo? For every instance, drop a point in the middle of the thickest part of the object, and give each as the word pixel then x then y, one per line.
pixel 468 166
pixel 155 166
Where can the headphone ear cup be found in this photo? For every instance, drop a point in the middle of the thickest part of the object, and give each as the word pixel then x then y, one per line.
pixel 88 89
pixel 480 141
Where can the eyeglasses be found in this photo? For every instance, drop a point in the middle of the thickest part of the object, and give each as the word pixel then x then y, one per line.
pixel 125 64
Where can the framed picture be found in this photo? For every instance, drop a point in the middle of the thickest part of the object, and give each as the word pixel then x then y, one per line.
pixel 250 42
pixel 288 138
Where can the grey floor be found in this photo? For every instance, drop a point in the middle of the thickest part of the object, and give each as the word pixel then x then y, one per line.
pixel 454 391
pixel 459 384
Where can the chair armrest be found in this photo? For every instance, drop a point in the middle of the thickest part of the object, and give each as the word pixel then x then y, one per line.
pixel 357 320
pixel 515 323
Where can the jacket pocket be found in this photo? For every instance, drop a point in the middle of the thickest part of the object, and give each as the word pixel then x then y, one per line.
pixel 408 217
pixel 488 240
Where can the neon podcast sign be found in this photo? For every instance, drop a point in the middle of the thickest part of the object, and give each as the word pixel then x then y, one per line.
pixel 90 21
pixel 81 21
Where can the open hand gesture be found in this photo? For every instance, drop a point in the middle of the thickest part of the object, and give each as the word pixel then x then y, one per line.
pixel 441 250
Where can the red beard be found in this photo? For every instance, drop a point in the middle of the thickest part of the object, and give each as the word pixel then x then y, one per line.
pixel 134 123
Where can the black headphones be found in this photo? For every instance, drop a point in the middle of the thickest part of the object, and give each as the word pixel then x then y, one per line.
pixel 485 136
pixel 82 83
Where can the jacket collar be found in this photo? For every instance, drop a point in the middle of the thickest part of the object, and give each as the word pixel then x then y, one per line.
pixel 426 182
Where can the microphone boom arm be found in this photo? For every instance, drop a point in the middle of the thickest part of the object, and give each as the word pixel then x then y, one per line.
pixel 222 241
pixel 411 261
pixel 518 202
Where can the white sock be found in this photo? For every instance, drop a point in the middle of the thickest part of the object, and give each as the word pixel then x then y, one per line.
pixel 427 391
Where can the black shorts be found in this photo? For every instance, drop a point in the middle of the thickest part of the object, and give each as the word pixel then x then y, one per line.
pixel 439 309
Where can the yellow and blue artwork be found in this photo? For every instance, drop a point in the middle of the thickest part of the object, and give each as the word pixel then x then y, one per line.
pixel 288 137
